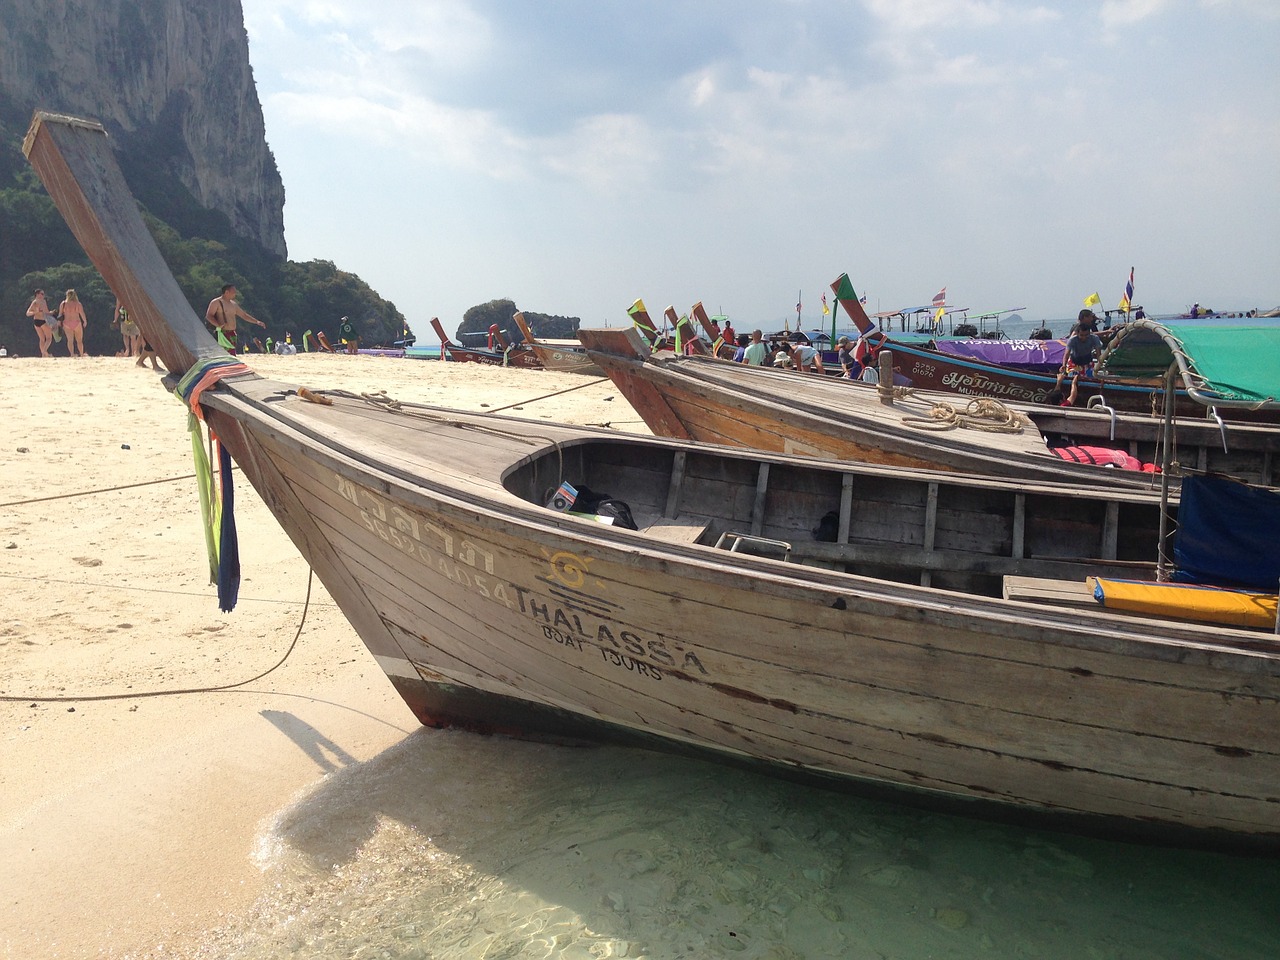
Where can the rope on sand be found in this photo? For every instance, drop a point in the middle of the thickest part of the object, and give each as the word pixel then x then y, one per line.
pixel 306 605
pixel 983 413
pixel 382 399
pixel 86 493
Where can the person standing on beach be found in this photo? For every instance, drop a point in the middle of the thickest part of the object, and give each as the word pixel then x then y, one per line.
pixel 223 312
pixel 755 351
pixel 129 332
pixel 347 332
pixel 71 313
pixel 135 344
pixel 43 320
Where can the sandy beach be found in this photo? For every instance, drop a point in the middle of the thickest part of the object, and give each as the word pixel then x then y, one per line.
pixel 128 826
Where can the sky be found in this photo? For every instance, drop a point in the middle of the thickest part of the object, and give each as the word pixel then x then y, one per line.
pixel 573 155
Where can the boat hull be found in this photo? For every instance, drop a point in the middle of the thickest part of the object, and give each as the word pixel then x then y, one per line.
pixel 485 617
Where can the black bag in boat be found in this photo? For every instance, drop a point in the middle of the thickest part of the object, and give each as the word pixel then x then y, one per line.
pixel 603 505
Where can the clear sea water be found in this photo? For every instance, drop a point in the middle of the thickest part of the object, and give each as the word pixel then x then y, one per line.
pixel 451 845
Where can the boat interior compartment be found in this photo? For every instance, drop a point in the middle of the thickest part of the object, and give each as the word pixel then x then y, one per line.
pixel 949 531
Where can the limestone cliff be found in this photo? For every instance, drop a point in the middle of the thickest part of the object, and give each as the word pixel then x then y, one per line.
pixel 171 81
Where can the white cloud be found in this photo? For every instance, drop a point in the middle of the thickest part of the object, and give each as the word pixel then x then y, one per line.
pixel 449 32
pixel 430 133
pixel 1262 9
pixel 606 153
pixel 922 15
pixel 1116 14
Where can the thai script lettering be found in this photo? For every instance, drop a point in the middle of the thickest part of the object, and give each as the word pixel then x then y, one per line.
pixel 981 385
pixel 453 557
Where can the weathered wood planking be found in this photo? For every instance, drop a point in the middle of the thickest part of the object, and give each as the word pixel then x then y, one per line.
pixel 909 711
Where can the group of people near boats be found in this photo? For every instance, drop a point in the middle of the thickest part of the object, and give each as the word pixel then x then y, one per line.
pixel 224 312
pixel 857 358
pixel 803 356
pixel 69 322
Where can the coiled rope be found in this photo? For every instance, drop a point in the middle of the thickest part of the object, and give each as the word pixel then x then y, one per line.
pixel 981 413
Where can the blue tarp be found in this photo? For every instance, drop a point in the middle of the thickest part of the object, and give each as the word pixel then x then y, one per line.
pixel 1228 534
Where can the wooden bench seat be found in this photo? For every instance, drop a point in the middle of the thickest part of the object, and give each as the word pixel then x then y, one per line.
pixel 686 528
pixel 1060 593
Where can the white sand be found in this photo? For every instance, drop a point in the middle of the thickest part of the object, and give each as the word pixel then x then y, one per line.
pixel 127 827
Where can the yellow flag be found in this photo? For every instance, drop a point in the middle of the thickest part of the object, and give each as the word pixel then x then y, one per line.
pixel 937 317
pixel 1093 300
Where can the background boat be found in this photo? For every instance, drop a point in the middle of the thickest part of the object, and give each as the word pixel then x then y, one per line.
pixel 935 370
pixel 696 398
pixel 514 355
pixel 558 354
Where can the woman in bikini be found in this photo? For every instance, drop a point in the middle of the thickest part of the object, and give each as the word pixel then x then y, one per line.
pixel 43 320
pixel 71 313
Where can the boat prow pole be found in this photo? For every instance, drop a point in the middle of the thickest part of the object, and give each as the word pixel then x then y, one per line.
pixel 445 342
pixel 75 162
pixel 523 325
pixel 842 287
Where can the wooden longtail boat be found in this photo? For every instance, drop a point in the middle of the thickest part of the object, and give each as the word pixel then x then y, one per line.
pixel 519 355
pixel 697 398
pixel 561 355
pixel 935 370
pixel 726 350
pixel 885 658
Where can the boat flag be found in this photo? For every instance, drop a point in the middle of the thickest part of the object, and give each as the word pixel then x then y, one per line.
pixel 1126 302
pixel 1093 300
pixel 826 311
pixel 940 298
pixel 863 299
pixel 937 318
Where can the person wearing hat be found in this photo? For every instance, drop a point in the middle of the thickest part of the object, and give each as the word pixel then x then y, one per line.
pixel 347 333
pixel 850 368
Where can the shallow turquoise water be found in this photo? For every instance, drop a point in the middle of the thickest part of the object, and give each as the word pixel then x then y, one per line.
pixel 451 845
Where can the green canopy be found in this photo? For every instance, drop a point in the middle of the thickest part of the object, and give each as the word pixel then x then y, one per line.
pixel 1233 366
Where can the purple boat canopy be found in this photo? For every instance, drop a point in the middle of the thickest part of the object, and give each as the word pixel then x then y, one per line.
pixel 1028 354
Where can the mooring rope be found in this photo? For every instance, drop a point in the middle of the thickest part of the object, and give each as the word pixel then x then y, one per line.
pixel 982 413
pixel 306 605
